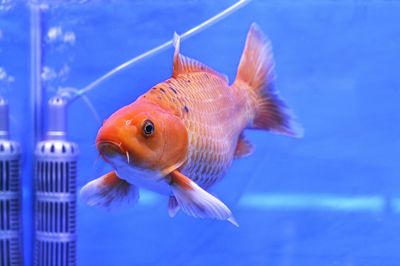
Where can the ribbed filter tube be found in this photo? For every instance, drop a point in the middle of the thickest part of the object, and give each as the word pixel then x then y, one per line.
pixel 55 197
pixel 10 194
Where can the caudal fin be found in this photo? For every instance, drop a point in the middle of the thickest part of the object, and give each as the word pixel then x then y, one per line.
pixel 256 74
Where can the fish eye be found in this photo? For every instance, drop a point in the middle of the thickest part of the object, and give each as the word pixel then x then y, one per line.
pixel 148 128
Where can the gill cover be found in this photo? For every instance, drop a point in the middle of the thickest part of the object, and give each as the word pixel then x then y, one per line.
pixel 175 144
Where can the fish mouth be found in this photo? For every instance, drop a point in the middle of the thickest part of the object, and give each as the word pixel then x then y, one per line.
pixel 110 149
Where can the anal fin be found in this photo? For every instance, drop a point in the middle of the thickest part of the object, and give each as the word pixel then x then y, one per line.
pixel 243 147
pixel 197 202
pixel 109 191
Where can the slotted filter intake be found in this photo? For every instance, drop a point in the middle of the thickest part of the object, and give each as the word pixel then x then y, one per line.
pixel 55 183
pixel 10 194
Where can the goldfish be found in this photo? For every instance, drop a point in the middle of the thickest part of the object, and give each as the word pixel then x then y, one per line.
pixel 180 137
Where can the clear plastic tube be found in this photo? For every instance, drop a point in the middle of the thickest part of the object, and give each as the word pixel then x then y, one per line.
pixel 36 61
pixel 160 48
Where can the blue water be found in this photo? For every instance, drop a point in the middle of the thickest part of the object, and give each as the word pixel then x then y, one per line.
pixel 330 198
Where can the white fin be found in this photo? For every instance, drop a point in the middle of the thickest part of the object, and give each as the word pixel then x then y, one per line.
pixel 173 206
pixel 197 202
pixel 109 191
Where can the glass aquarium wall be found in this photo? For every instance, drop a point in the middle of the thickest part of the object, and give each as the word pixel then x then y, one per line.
pixel 331 197
pixel 15 134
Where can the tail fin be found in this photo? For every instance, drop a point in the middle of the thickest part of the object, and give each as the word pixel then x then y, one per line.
pixel 256 74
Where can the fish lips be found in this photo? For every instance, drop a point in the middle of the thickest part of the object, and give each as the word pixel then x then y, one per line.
pixel 109 149
pixel 115 154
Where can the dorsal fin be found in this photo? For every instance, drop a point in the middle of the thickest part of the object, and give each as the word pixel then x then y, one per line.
pixel 184 64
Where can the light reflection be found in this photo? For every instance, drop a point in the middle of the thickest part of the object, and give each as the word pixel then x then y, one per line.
pixel 313 201
pixel 298 202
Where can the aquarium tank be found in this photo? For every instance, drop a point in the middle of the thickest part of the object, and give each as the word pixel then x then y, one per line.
pixel 330 197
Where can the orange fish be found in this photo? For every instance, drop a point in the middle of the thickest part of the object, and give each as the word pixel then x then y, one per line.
pixel 181 136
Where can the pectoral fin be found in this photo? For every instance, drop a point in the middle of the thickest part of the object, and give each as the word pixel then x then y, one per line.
pixel 197 202
pixel 109 191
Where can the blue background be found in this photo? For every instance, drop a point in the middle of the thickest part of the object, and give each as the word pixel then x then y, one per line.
pixel 330 198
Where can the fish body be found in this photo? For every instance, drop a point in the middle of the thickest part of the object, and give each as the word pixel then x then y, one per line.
pixel 213 116
pixel 181 136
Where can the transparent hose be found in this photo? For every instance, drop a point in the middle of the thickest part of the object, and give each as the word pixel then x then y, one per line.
pixel 69 93
pixel 160 48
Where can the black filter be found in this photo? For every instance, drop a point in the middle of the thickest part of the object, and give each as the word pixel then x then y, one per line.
pixel 55 183
pixel 10 195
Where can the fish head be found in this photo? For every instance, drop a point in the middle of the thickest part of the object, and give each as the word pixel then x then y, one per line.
pixel 145 136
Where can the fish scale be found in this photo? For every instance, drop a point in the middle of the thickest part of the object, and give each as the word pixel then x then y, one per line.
pixel 209 108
